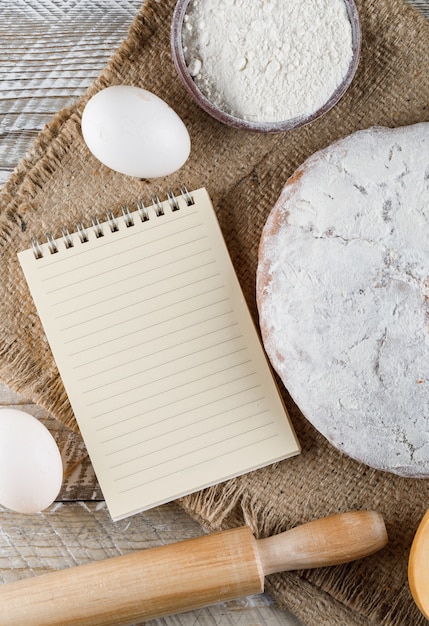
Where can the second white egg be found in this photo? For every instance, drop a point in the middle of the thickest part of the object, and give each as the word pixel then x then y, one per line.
pixel 134 132
pixel 31 469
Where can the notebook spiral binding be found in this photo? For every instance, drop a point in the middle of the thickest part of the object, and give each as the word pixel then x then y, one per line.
pixel 112 221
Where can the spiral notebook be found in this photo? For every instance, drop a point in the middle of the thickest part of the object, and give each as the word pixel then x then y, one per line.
pixel 157 351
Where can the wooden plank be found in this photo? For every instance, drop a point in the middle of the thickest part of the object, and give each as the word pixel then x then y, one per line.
pixel 50 52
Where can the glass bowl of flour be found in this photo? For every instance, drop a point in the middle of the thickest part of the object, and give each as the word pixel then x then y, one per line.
pixel 266 65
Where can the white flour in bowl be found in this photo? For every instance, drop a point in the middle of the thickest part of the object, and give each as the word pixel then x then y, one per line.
pixel 267 60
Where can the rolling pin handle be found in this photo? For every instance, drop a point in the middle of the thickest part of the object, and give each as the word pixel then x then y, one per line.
pixel 328 541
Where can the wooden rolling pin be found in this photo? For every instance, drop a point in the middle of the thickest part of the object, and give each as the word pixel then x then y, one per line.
pixel 128 589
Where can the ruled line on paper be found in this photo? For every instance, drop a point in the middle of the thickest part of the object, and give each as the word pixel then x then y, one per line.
pixel 128 235
pixel 111 271
pixel 162 364
pixel 175 401
pixel 97 303
pixel 176 415
pixel 151 339
pixel 137 317
pixel 123 308
pixel 149 354
pixel 173 430
pixel 122 267
pixel 162 378
pixel 210 431
pixel 121 280
pixel 199 463
pixel 169 389
pixel 200 449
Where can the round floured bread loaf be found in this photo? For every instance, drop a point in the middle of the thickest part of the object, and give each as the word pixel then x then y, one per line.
pixel 343 295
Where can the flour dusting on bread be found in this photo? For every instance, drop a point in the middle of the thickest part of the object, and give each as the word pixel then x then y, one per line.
pixel 343 295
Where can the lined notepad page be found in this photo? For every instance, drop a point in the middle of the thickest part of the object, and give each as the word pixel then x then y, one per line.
pixel 159 355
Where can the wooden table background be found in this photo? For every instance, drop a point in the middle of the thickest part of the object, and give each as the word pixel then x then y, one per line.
pixel 50 52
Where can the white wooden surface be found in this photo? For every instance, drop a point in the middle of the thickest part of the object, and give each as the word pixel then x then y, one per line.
pixel 50 51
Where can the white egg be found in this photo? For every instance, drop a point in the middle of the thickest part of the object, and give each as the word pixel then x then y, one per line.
pixel 134 132
pixel 31 470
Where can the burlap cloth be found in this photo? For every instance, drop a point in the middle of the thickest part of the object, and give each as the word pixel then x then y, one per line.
pixel 59 182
